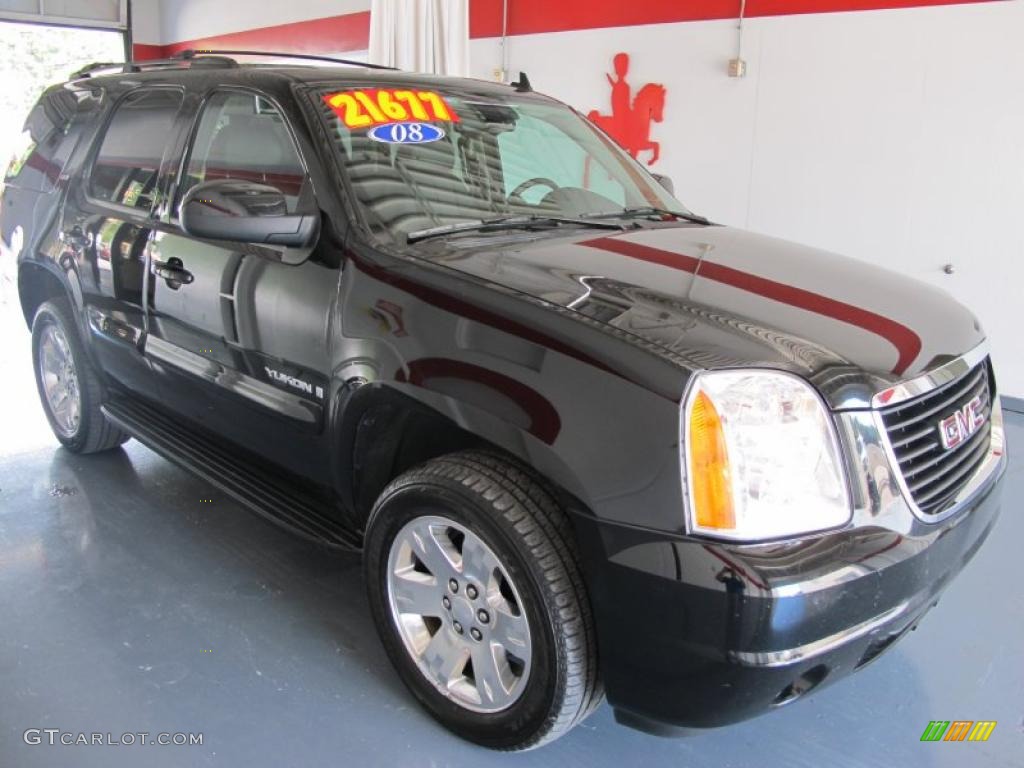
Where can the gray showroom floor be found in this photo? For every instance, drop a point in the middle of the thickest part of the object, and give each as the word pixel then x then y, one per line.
pixel 134 598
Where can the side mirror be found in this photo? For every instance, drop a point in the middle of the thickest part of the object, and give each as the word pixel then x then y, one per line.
pixel 666 182
pixel 247 212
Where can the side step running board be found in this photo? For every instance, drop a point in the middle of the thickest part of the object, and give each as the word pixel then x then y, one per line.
pixel 281 502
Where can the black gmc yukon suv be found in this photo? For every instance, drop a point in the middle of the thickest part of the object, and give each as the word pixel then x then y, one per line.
pixel 589 443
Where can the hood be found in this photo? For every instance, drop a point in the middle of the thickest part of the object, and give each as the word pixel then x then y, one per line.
pixel 722 297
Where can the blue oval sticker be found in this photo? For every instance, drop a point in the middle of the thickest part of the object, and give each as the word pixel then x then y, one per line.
pixel 406 133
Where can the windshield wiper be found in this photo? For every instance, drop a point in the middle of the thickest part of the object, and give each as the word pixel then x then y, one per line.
pixel 505 222
pixel 647 210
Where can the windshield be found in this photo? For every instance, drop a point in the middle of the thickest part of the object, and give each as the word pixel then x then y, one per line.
pixel 418 160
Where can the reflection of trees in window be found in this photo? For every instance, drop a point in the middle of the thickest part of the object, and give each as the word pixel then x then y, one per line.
pixel 243 136
pixel 126 166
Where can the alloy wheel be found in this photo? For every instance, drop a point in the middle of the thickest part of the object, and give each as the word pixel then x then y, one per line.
pixel 60 381
pixel 459 615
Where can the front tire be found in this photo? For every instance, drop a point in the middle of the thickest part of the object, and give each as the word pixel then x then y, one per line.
pixel 69 389
pixel 477 595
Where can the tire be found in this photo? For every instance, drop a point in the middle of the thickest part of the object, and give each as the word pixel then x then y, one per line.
pixel 516 539
pixel 54 328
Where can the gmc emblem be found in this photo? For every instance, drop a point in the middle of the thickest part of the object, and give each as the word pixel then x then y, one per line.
pixel 961 424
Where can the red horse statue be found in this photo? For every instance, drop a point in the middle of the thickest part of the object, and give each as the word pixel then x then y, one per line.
pixel 630 123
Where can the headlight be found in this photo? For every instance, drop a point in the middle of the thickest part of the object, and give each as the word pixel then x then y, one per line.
pixel 762 458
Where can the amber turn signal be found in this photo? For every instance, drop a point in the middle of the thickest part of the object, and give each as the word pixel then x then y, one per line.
pixel 709 467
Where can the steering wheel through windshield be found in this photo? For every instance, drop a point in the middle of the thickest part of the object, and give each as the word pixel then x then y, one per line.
pixel 517 194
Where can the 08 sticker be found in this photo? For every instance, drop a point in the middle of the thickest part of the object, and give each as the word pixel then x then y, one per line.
pixel 406 133
pixel 368 108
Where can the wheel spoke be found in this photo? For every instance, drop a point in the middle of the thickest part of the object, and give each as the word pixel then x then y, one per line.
pixel 52 363
pixel 446 657
pixel 431 551
pixel 73 412
pixel 478 562
pixel 62 346
pixel 417 593
pixel 50 386
pixel 492 683
pixel 511 633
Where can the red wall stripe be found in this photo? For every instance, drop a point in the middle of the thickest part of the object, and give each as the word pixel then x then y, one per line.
pixel 146 52
pixel 906 341
pixel 334 34
pixel 527 17
pixel 351 32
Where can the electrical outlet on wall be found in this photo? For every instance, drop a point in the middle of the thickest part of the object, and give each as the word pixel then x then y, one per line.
pixel 737 68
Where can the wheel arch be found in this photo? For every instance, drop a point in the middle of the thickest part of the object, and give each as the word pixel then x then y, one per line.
pixel 38 283
pixel 383 431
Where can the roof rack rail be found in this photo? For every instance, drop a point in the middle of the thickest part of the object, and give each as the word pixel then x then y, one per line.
pixel 205 52
pixel 213 62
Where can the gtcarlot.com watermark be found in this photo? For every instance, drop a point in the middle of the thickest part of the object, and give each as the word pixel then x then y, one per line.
pixel 55 736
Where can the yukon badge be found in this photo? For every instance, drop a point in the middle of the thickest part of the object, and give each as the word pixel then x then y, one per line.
pixel 291 381
pixel 961 424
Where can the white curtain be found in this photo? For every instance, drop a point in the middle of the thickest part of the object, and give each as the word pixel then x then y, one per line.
pixel 421 35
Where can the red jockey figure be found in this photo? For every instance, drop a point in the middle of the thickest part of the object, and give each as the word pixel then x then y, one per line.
pixel 630 123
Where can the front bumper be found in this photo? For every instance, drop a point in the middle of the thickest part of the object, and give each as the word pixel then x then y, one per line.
pixel 701 634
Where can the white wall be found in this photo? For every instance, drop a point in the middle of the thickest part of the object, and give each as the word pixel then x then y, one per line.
pixel 146 22
pixel 193 19
pixel 893 136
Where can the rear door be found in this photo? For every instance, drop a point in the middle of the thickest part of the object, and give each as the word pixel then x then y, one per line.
pixel 108 220
pixel 237 338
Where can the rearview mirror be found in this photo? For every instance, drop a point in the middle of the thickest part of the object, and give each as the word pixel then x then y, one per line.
pixel 247 212
pixel 665 181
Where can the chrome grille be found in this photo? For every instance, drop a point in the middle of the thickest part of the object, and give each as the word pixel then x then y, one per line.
pixel 934 475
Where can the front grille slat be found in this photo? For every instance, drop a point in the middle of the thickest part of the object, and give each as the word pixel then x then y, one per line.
pixel 913 438
pixel 925 450
pixel 953 480
pixel 911 468
pixel 941 405
pixel 979 440
pixel 935 475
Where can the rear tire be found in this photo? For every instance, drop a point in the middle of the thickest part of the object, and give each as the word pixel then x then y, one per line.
pixel 69 389
pixel 470 535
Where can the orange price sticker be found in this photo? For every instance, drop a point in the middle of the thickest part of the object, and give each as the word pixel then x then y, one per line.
pixel 381 106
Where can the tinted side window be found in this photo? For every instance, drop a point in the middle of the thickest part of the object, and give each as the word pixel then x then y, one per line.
pixel 243 136
pixel 126 167
pixel 36 166
pixel 51 133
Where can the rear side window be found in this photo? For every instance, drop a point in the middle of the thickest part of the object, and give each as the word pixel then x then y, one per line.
pixel 128 162
pixel 51 133
pixel 243 136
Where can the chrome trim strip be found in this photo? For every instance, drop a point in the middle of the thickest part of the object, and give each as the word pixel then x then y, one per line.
pixel 239 383
pixel 816 648
pixel 926 382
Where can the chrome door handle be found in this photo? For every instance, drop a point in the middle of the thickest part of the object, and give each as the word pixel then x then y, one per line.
pixel 76 237
pixel 173 271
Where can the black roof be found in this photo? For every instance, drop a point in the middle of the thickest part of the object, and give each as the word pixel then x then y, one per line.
pixel 201 70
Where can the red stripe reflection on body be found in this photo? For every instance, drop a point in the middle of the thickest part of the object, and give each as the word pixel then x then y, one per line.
pixel 545 422
pixel 906 341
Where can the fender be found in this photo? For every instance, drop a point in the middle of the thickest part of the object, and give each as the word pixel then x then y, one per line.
pixel 429 357
pixel 381 429
pixel 67 277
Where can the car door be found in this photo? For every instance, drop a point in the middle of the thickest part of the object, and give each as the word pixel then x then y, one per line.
pixel 107 222
pixel 237 338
